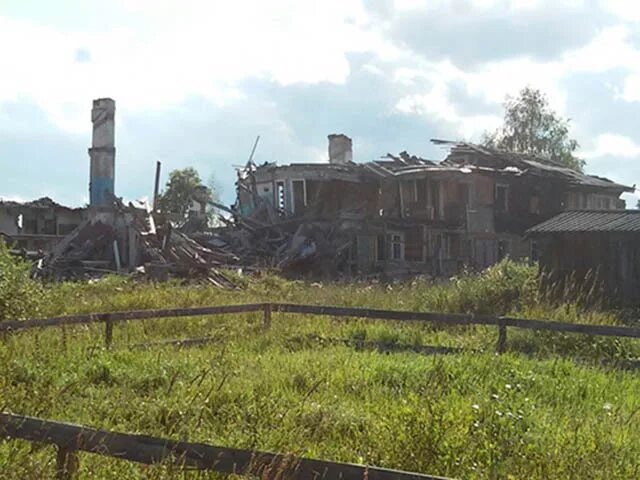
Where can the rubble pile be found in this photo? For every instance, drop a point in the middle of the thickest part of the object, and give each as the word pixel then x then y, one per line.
pixel 300 246
pixel 126 239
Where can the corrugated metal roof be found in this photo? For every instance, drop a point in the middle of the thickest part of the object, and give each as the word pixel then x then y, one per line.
pixel 590 221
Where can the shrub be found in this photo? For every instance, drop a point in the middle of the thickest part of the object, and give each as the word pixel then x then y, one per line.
pixel 20 296
pixel 501 288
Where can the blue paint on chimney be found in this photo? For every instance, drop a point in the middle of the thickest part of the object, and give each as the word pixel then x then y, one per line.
pixel 101 190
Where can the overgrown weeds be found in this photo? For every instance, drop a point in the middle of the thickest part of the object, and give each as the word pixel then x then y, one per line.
pixel 19 295
pixel 316 387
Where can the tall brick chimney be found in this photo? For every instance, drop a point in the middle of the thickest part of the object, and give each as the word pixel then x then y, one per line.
pixel 102 152
pixel 340 148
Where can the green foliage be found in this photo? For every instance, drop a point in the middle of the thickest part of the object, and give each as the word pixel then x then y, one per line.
pixel 183 186
pixel 334 388
pixel 502 288
pixel 530 126
pixel 19 295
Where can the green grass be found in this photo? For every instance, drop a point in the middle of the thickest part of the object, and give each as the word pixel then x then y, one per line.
pixel 545 409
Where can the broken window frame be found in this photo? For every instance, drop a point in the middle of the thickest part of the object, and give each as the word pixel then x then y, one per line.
pixel 280 194
pixel 534 204
pixel 381 250
pixel 442 246
pixel 294 207
pixel 534 252
pixel 396 245
pixel 503 249
pixel 601 202
pixel 504 208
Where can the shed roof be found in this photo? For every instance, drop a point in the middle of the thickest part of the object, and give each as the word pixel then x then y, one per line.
pixel 580 221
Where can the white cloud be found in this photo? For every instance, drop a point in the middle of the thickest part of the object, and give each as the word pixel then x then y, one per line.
pixel 625 10
pixel 611 144
pixel 170 50
pixel 12 198
pixel 436 105
pixel 180 49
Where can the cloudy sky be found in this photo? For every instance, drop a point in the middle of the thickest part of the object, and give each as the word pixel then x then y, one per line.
pixel 196 80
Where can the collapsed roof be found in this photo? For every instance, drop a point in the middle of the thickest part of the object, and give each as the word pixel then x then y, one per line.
pixel 40 203
pixel 464 153
pixel 463 158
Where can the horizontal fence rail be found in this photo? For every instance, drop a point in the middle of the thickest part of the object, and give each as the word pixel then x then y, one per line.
pixel 86 318
pixel 109 318
pixel 70 439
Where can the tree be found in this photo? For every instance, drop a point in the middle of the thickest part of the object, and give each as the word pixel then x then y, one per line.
pixel 183 186
pixel 530 126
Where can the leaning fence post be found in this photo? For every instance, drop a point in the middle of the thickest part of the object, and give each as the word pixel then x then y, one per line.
pixel 108 330
pixel 66 464
pixel 502 336
pixel 267 316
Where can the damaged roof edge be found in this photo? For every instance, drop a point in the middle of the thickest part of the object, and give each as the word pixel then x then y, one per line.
pixel 43 203
pixel 534 162
pixel 591 221
pixel 496 162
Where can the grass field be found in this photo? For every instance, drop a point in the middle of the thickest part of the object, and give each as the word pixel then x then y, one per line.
pixel 336 389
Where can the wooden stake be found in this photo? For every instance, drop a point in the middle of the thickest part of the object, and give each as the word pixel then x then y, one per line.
pixel 156 187
pixel 267 316
pixel 108 331
pixel 502 338
pixel 66 464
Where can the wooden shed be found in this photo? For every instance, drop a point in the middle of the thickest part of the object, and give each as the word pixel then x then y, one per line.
pixel 600 245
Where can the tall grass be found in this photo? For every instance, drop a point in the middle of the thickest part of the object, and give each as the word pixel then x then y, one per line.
pixel 339 389
pixel 19 295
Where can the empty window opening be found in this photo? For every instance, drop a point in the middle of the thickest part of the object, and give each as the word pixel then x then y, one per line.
pixel 503 249
pixel 535 252
pixel 534 205
pixel 380 248
pixel 502 198
pixel 299 195
pixel 443 246
pixel 463 192
pixel 397 247
pixel 280 196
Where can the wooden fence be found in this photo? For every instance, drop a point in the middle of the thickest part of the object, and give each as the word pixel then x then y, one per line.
pixel 109 319
pixel 70 439
pixel 144 449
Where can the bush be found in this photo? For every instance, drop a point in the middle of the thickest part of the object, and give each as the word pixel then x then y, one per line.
pixel 500 289
pixel 20 296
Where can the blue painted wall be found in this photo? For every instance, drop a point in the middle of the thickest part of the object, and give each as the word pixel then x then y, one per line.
pixel 100 190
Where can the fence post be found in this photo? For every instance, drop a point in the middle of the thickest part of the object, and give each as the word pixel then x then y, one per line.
pixel 502 336
pixel 108 330
pixel 267 316
pixel 66 464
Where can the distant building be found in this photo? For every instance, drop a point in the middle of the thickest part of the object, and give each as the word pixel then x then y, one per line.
pixel 37 225
pixel 405 214
pixel 594 246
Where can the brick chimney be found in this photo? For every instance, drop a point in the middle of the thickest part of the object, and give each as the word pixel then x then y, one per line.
pixel 340 149
pixel 102 152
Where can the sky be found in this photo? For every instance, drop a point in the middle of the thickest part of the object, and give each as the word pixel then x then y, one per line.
pixel 195 81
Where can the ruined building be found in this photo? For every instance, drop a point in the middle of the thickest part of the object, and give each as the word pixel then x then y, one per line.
pixel 598 251
pixel 37 225
pixel 41 224
pixel 407 215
